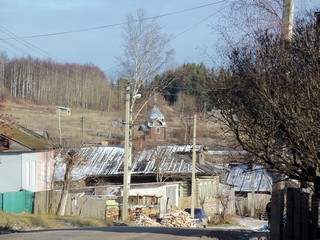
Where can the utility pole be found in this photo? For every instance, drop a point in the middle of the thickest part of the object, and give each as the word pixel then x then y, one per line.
pixel 60 139
pixel 287 19
pixel 68 112
pixel 194 156
pixel 126 158
pixel 82 128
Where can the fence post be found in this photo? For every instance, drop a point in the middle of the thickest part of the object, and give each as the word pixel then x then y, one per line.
pixel 314 217
pixel 290 215
pixel 276 225
pixel 296 214
pixel 305 217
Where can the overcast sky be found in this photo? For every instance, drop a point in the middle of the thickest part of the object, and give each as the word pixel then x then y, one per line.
pixel 101 45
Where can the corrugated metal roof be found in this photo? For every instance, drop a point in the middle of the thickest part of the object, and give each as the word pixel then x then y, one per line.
pixel 104 160
pixel 241 176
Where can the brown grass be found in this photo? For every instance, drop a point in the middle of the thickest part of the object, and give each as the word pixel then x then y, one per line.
pixel 96 128
pixel 26 221
pixel 99 126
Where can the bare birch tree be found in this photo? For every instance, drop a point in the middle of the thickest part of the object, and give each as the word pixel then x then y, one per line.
pixel 146 52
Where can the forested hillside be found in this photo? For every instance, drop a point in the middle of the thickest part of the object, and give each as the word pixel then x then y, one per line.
pixel 37 86
pixel 50 83
pixel 43 81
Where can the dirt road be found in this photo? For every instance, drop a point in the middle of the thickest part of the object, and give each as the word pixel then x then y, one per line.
pixel 137 233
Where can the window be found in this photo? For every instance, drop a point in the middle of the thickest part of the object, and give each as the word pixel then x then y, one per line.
pixel 157 130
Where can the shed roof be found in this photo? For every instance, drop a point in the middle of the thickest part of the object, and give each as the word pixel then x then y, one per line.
pixel 241 176
pixel 25 137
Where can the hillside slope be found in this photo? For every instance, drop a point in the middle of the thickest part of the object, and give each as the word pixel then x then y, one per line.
pixel 99 126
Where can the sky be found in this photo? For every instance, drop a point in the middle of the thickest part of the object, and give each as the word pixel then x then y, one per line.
pixel 89 31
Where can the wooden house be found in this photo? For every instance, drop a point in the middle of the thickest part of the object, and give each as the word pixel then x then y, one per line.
pixel 26 160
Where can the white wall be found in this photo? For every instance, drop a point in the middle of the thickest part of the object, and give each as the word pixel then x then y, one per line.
pixel 10 172
pixel 30 171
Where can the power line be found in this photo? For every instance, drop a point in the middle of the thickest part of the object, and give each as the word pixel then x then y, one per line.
pixel 35 49
pixel 117 24
pixel 186 30
pixel 201 21
pixel 25 43
pixel 12 36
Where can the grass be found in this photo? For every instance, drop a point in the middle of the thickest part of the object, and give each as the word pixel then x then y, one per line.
pixel 26 221
pixel 99 126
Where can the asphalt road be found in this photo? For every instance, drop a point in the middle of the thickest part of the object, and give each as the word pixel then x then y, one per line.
pixel 135 233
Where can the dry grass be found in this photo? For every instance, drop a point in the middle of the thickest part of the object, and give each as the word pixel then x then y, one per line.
pixel 26 221
pixel 99 126
pixel 96 128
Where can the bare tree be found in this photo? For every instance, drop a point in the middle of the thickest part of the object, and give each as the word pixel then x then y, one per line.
pixel 225 197
pixel 72 157
pixel 187 105
pixel 271 101
pixel 146 52
pixel 244 20
pixel 69 160
pixel 159 155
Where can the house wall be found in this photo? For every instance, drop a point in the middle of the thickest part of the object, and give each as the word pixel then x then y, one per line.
pixel 10 172
pixel 30 171
pixel 46 173
pixel 156 136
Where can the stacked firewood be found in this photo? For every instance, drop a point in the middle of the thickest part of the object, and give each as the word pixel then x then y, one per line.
pixel 143 220
pixel 137 210
pixel 178 218
pixel 112 213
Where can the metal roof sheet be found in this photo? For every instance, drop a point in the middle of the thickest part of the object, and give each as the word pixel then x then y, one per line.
pixel 104 160
pixel 241 176
pixel 155 113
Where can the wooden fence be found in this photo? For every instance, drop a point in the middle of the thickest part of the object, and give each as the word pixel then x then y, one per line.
pixel 258 202
pixel 295 220
pixel 46 202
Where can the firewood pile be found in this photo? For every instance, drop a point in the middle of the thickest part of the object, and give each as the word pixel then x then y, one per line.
pixel 143 220
pixel 112 213
pixel 177 218
pixel 137 210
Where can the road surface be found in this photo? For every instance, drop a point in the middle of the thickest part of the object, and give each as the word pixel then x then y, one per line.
pixel 136 233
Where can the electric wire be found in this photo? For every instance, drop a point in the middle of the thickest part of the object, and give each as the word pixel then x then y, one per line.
pixel 118 24
pixel 37 50
pixel 40 51
pixel 184 31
